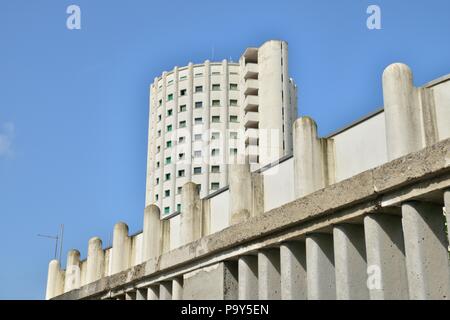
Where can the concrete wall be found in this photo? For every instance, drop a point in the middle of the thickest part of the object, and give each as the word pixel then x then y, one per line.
pixel 441 92
pixel 219 216
pixel 279 185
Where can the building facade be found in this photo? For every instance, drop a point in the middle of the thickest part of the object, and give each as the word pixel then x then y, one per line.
pixel 205 116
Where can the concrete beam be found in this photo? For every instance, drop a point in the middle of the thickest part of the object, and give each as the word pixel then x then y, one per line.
pixel 95 260
pixel 293 270
pixel 191 213
pixel 385 257
pixel 269 281
pixel 350 262
pixel 121 248
pixel 404 129
pixel 248 277
pixel 426 248
pixel 320 267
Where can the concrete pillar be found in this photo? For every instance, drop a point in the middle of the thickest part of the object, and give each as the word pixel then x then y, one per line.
pixel 269 281
pixel 152 233
pixel 385 257
pixel 248 278
pixel 293 270
pixel 55 280
pixel 141 294
pixel 426 248
pixel 165 290
pixel 120 248
pixel 350 262
pixel 153 292
pixel 402 111
pixel 177 289
pixel 240 191
pixel 191 213
pixel 73 273
pixel 95 260
pixel 309 163
pixel 447 213
pixel 320 267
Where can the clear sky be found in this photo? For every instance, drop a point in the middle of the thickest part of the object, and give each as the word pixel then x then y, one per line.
pixel 74 103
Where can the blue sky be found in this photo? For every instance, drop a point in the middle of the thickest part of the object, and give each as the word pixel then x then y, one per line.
pixel 74 104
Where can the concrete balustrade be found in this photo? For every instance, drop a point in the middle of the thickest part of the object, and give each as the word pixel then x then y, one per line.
pixel 248 277
pixel 95 260
pixel 269 281
pixel 55 280
pixel 73 272
pixel 293 270
pixel 350 262
pixel 320 267
pixel 152 233
pixel 404 129
pixel 191 213
pixel 385 257
pixel 426 248
pixel 121 248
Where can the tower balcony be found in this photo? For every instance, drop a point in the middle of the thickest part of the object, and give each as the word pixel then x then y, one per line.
pixel 251 87
pixel 251 71
pixel 251 120
pixel 251 103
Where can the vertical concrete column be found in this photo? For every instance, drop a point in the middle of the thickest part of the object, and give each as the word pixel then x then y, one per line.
pixel 402 111
pixel 320 267
pixel 153 292
pixel 191 213
pixel 293 271
pixel 141 294
pixel 55 280
pixel 152 233
pixel 95 260
pixel 73 273
pixel 350 262
pixel 120 248
pixel 165 290
pixel 426 251
pixel 269 281
pixel 447 213
pixel 385 257
pixel 248 278
pixel 177 289
pixel 240 201
pixel 131 295
pixel 308 158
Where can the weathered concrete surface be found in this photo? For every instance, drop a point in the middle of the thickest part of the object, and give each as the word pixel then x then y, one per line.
pixel 269 283
pixel 293 270
pixel 363 188
pixel 216 282
pixel 191 213
pixel 95 260
pixel 248 278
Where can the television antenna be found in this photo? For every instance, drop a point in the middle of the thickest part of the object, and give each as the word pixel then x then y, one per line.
pixel 58 240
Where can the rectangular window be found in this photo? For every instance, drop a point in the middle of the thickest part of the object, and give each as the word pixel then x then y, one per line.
pixel 233 135
pixel 168 144
pixel 197 170
pixel 183 77
pixel 197 137
pixel 157 180
pixel 183 92
pixel 181 173
pixel 215 103
pixel 215 152
pixel 160 102
pixel 215 119
pixel 169 112
pixel 170 97
pixel 215 185
pixel 215 169
pixel 181 156
pixel 167 193
pixel 168 160
pixel 159 117
pixel 233 102
pixel 158 149
pixel 215 135
pixel 198 74
pixel 179 190
pixel 169 82
pixel 233 86
pixel 158 164
pixel 233 151
pixel 166 210
pixel 156 197
pixel 159 133
pixel 198 120
pixel 167 176
pixel 181 139
pixel 215 73
pixel 183 124
pixel 198 104
pixel 179 207
pixel 169 128
pixel 199 89
pixel 183 108
pixel 233 118
pixel 215 87
pixel 197 154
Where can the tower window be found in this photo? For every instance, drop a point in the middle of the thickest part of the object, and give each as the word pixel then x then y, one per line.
pixel 197 170
pixel 199 89
pixel 168 144
pixel 215 185
pixel 170 97
pixel 215 119
pixel 181 173
pixel 215 103
pixel 233 118
pixel 233 86
pixel 233 102
pixel 169 112
pixel 166 210
pixel 183 108
pixel 215 169
pixel 198 104
pixel 182 92
pixel 169 128
pixel 215 87
pixel 215 152
pixel 198 120
pixel 167 193
pixel 167 175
